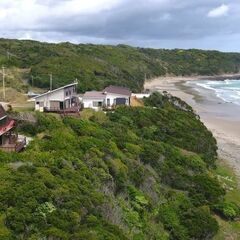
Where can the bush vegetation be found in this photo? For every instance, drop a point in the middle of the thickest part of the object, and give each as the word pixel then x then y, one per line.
pixel 136 173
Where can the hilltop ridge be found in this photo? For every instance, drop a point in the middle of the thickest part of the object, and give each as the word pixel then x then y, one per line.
pixel 96 66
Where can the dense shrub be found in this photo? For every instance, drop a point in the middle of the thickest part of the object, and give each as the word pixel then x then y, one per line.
pixel 169 124
pixel 228 210
pixel 131 174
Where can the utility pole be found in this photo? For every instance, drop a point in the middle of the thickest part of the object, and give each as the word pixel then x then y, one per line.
pixel 3 79
pixel 50 81
pixel 32 80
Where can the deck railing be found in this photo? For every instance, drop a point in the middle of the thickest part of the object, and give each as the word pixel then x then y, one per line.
pixel 18 146
pixel 62 111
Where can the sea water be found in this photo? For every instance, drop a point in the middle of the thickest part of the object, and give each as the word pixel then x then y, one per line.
pixel 227 90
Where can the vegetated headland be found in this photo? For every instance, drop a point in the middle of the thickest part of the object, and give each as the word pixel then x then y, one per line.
pixel 220 117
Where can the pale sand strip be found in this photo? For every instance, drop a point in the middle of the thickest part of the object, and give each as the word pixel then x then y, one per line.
pixel 224 129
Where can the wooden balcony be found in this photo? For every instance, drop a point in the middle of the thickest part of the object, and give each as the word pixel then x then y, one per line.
pixel 14 145
pixel 67 111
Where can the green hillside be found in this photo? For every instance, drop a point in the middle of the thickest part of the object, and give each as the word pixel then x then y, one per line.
pixel 136 173
pixel 96 66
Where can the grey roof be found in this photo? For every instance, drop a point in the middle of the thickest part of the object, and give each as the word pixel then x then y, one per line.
pixel 118 90
pixel 94 94
pixel 55 90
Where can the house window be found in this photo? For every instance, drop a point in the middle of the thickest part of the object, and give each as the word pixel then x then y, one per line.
pixel 61 104
pixel 108 101
pixel 97 104
pixel 66 93
pixel 120 101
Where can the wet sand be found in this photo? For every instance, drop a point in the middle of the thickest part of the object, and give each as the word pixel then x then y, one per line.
pixel 221 118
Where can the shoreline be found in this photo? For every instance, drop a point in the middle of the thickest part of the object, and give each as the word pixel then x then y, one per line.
pixel 150 83
pixel 221 118
pixel 197 77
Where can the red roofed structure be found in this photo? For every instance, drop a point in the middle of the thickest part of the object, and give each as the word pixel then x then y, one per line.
pixel 9 140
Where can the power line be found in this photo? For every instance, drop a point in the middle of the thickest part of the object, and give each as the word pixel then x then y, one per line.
pixel 12 55
pixel 3 79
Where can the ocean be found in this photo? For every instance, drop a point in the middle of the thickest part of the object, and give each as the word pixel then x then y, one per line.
pixel 227 90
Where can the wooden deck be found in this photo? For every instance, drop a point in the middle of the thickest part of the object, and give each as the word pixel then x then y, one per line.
pixel 18 146
pixel 68 111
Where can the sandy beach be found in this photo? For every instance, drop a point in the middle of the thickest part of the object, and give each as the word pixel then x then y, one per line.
pixel 221 118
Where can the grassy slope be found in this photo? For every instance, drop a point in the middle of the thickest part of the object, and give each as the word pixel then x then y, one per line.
pixel 228 229
pixel 99 65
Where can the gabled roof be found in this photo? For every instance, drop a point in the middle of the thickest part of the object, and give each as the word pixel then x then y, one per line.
pixel 7 126
pixel 55 90
pixel 117 90
pixel 94 94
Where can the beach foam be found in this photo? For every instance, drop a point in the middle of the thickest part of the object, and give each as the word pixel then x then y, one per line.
pixel 227 90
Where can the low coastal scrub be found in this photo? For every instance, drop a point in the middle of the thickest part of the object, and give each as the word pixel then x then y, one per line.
pixel 135 173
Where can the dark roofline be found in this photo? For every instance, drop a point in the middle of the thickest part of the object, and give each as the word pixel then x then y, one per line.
pixel 118 90
pixel 98 94
pixel 55 90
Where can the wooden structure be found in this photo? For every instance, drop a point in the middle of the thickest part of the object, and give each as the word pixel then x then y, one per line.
pixel 9 139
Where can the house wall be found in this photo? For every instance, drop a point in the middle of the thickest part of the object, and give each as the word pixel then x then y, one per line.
pixel 44 101
pixel 70 92
pixel 112 98
pixel 54 104
pixel 88 102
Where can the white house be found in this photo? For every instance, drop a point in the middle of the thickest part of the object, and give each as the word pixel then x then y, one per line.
pixel 110 97
pixel 60 99
pixel 93 99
